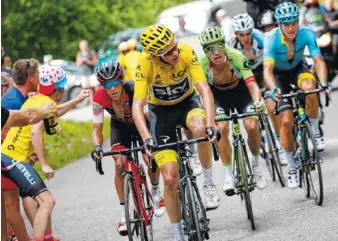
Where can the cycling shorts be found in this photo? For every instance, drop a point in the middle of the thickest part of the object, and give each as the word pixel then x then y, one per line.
pixel 294 76
pixel 163 122
pixel 23 175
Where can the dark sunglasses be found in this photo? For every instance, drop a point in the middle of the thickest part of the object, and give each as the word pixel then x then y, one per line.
pixel 212 49
pixel 109 84
pixel 170 52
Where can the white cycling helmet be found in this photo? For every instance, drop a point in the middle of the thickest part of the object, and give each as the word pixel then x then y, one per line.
pixel 242 22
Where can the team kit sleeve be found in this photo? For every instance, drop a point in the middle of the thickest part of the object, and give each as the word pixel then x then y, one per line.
pixel 269 54
pixel 194 66
pixel 240 62
pixel 98 113
pixel 141 76
pixel 311 42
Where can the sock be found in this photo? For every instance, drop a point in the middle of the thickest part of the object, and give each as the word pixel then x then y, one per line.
pixel 155 189
pixel 255 160
pixel 291 161
pixel 38 239
pixel 228 169
pixel 314 123
pixel 177 229
pixel 123 217
pixel 208 176
pixel 49 236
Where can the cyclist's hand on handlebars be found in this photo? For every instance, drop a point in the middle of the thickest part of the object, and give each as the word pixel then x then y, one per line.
pixel 213 134
pixel 97 153
pixel 259 106
pixel 327 87
pixel 148 146
pixel 275 94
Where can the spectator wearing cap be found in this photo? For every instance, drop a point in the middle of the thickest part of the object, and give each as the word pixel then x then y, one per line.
pixel 6 82
pixel 26 79
pixel 225 22
pixel 86 58
pixel 130 60
pixel 6 64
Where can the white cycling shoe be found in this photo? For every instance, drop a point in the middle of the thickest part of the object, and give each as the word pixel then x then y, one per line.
pixel 196 165
pixel 320 142
pixel 211 197
pixel 259 177
pixel 229 186
pixel 293 178
pixel 159 207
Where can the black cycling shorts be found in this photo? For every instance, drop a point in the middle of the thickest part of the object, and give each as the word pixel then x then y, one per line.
pixel 164 119
pixel 285 78
pixel 23 175
pixel 238 97
pixel 122 134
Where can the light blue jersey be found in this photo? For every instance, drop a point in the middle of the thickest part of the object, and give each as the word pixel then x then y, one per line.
pixel 276 52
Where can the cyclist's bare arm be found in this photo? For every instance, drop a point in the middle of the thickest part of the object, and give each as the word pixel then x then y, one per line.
pixel 321 69
pixel 38 142
pixel 139 118
pixel 208 101
pixel 269 78
pixel 97 136
pixel 254 91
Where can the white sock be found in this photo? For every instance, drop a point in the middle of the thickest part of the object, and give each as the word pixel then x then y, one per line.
pixel 123 217
pixel 155 189
pixel 291 161
pixel 228 170
pixel 255 161
pixel 177 229
pixel 207 176
pixel 314 123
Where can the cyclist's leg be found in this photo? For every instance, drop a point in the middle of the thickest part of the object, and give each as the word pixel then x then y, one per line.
pixel 195 120
pixel 12 208
pixel 166 160
pixel 306 81
pixel 3 220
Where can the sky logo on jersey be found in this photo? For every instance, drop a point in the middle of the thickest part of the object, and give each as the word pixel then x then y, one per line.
pixel 171 92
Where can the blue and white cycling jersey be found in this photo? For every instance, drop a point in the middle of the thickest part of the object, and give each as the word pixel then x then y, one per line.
pixel 257 48
pixel 276 52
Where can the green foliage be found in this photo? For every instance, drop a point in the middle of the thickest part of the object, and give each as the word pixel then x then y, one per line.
pixel 33 28
pixel 74 142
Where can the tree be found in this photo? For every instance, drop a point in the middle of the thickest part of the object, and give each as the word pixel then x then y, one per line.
pixel 33 28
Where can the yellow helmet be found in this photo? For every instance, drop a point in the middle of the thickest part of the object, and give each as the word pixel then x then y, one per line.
pixel 157 39
pixel 132 43
pixel 123 46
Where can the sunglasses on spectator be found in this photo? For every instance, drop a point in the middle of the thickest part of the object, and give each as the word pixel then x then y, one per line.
pixel 170 52
pixel 212 49
pixel 109 84
pixel 242 34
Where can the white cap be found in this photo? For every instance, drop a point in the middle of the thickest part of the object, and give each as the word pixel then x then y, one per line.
pixel 221 13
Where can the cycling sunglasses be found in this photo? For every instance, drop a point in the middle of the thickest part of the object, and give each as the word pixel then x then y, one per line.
pixel 212 49
pixel 170 52
pixel 114 83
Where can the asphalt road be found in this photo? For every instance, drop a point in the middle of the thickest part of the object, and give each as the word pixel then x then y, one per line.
pixel 87 207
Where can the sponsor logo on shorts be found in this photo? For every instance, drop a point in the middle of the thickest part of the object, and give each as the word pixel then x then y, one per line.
pixel 26 173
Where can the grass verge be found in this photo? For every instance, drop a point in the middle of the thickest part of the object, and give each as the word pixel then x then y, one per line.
pixel 74 142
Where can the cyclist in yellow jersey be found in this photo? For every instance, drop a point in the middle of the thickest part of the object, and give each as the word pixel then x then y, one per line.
pixel 164 77
pixel 22 142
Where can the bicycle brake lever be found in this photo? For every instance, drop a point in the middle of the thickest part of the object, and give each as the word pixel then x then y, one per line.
pixel 215 151
pixel 99 167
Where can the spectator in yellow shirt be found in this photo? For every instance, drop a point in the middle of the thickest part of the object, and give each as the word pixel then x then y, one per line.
pixel 130 59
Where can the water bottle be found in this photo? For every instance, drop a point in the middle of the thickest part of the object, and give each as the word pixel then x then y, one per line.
pixel 301 113
pixel 52 126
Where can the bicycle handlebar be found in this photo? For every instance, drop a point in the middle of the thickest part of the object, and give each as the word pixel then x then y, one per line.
pixel 237 116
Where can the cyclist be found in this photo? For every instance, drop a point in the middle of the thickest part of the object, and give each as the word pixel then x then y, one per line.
pixel 22 142
pixel 116 97
pixel 230 77
pixel 164 77
pixel 283 64
pixel 267 21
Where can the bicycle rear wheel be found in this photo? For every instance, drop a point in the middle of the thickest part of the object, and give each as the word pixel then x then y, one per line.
pixel 134 222
pixel 312 166
pixel 275 160
pixel 196 234
pixel 242 159
pixel 147 202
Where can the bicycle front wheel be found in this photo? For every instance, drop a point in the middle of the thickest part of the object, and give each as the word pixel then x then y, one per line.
pixel 242 159
pixel 134 222
pixel 312 167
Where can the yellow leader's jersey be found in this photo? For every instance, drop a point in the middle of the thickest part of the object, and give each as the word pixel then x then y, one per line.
pixel 164 84
pixel 18 143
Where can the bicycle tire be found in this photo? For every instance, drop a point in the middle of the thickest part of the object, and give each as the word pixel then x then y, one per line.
pixel 275 160
pixel 245 187
pixel 196 235
pixel 313 164
pixel 134 222
pixel 265 156
pixel 148 205
pixel 201 212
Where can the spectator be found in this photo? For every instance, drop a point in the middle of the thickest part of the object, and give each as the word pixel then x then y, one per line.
pixel 26 79
pixel 130 59
pixel 86 58
pixel 6 82
pixel 225 22
pixel 267 21
pixel 256 7
pixel 47 59
pixel 182 32
pixel 6 64
pixel 123 50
